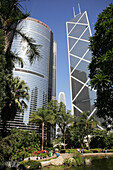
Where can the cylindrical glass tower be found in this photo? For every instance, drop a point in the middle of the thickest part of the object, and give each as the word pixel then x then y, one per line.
pixel 36 75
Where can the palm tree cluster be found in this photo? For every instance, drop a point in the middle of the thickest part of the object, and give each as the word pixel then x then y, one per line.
pixel 74 129
pixel 12 90
pixel 54 114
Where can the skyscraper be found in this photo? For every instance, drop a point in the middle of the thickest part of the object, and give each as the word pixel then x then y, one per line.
pixel 41 75
pixel 79 55
pixel 62 98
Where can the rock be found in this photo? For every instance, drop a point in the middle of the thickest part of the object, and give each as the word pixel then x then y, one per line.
pixel 71 160
pixel 57 161
pixel 88 161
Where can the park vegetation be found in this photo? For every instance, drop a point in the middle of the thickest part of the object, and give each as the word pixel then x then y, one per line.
pixel 101 66
pixel 20 144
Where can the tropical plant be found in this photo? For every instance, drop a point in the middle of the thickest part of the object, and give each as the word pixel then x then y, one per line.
pixel 19 144
pixel 2 70
pixel 42 116
pixel 63 119
pixel 15 100
pixel 99 139
pixel 101 66
pixel 11 15
pixel 72 137
pixel 31 165
pixel 85 125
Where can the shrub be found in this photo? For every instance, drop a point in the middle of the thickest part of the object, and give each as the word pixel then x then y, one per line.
pixel 18 144
pixel 1 159
pixel 62 151
pixel 88 151
pixel 110 150
pixel 72 150
pixel 42 155
pixel 31 165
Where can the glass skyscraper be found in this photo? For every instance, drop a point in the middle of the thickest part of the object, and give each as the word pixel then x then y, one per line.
pixel 41 75
pixel 79 55
pixel 62 98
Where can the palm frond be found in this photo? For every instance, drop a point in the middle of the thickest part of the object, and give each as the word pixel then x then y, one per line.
pixel 32 48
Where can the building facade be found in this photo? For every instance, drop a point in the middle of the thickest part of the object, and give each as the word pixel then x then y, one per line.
pixel 79 55
pixel 62 98
pixel 41 75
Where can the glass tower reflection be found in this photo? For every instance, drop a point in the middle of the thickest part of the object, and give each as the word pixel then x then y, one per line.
pixel 79 55
pixel 38 76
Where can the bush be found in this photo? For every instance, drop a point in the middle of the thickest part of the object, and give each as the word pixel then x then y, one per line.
pixel 1 159
pixel 18 145
pixel 31 165
pixel 88 151
pixel 72 150
pixel 75 161
pixel 110 150
pixel 62 151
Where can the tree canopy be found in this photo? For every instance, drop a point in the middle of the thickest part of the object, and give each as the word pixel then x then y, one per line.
pixel 101 66
pixel 42 116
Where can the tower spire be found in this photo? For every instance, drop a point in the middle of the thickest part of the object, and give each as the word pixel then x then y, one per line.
pixel 79 8
pixel 74 12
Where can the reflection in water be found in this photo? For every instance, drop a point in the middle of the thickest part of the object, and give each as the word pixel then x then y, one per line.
pixel 104 163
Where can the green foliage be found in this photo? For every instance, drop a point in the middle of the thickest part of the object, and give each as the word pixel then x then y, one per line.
pixel 42 155
pixel 87 151
pixel 101 66
pixel 42 116
pixel 11 14
pixel 82 127
pixel 75 161
pixel 15 100
pixel 99 139
pixel 1 159
pixel 32 165
pixel 19 144
pixel 63 119
pixel 2 70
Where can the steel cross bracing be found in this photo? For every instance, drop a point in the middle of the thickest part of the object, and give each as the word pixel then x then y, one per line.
pixel 78 30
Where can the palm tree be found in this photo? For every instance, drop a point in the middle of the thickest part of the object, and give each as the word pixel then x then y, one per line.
pixel 10 17
pixel 11 14
pixel 15 101
pixel 86 124
pixel 63 119
pixel 42 116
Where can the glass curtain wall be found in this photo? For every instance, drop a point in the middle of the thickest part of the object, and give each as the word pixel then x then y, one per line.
pixel 79 55
pixel 38 74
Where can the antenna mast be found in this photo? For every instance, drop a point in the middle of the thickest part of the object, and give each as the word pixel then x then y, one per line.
pixel 74 12
pixel 79 8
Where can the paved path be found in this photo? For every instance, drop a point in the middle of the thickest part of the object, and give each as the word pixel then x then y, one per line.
pixel 97 154
pixel 67 155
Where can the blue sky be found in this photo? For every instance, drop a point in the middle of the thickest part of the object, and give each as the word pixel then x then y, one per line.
pixel 55 13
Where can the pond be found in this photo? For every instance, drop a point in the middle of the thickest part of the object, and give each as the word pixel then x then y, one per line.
pixel 101 163
pixel 95 163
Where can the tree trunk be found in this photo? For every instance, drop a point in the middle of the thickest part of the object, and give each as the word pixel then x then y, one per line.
pixel 42 134
pixel 88 142
pixel 64 140
pixel 4 129
pixel 87 135
pixel 46 137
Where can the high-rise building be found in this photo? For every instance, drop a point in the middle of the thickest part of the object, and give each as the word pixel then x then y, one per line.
pixel 79 56
pixel 62 98
pixel 40 76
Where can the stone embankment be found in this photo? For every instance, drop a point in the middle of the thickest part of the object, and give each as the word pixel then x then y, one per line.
pixel 96 154
pixel 60 159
